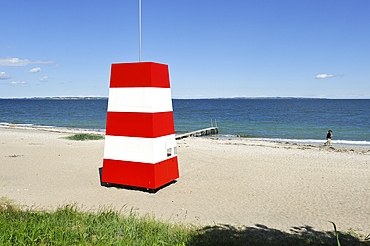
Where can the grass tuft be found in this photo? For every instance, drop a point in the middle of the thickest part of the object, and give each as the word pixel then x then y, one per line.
pixel 83 137
pixel 336 233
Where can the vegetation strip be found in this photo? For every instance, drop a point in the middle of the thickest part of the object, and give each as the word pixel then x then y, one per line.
pixel 70 226
pixel 83 137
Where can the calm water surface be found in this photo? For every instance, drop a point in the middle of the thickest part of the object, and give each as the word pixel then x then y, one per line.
pixel 265 119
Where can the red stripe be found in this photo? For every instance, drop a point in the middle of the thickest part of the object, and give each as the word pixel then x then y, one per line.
pixel 139 174
pixel 143 74
pixel 144 125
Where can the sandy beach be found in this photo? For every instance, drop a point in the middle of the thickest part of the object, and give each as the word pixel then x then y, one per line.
pixel 222 181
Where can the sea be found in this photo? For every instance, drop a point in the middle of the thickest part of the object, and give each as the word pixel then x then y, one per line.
pixel 295 120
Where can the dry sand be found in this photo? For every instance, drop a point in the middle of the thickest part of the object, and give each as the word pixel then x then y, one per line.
pixel 235 182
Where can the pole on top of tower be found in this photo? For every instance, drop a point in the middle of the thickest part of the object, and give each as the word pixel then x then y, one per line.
pixel 139 30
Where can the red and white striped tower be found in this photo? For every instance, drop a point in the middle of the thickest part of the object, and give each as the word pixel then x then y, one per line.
pixel 140 145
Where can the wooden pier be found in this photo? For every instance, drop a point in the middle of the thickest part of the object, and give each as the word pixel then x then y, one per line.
pixel 199 133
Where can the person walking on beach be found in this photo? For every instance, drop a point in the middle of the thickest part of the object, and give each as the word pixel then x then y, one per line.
pixel 328 137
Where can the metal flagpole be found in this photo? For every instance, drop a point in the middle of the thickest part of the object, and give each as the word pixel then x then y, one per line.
pixel 139 30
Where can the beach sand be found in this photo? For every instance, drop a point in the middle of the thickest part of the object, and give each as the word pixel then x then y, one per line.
pixel 234 182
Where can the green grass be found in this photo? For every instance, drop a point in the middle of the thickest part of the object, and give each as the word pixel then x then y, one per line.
pixel 69 225
pixel 83 137
pixel 336 232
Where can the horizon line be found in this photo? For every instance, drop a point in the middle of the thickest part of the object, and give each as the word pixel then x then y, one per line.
pixel 193 98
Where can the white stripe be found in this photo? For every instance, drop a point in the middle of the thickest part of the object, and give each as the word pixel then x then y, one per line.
pixel 147 150
pixel 142 99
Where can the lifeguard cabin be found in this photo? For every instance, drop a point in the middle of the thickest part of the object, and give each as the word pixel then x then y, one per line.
pixel 140 145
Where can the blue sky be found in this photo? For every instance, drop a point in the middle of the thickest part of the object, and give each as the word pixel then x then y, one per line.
pixel 303 48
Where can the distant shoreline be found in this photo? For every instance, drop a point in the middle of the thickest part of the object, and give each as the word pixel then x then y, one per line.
pixel 56 98
pixel 206 98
